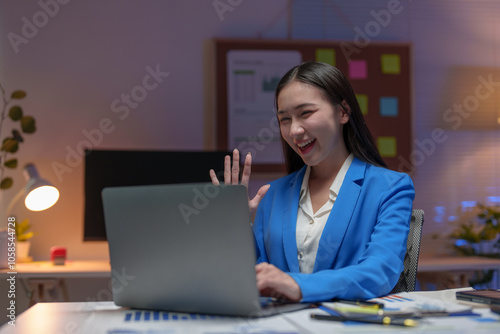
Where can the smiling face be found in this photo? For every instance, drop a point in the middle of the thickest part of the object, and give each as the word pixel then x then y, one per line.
pixel 311 124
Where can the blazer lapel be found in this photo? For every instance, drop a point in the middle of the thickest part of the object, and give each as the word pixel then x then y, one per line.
pixel 290 221
pixel 340 216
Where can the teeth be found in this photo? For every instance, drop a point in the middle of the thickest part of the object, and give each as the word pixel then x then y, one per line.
pixel 305 143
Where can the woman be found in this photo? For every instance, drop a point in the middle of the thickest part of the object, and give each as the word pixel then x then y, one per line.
pixel 336 226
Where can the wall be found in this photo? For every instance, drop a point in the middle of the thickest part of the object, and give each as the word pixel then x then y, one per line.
pixel 461 168
pixel 91 52
pixel 83 59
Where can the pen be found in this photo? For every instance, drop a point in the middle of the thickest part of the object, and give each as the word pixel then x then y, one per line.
pixel 382 321
pixel 363 312
pixel 353 311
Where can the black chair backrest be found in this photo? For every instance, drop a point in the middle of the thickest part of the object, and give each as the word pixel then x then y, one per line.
pixel 408 277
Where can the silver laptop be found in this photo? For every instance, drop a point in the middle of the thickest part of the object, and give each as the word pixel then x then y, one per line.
pixel 184 248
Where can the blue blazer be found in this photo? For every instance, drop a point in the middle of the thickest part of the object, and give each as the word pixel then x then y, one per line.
pixel 361 250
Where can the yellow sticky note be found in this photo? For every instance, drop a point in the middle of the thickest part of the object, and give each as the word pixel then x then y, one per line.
pixel 363 103
pixel 387 146
pixel 391 64
pixel 326 56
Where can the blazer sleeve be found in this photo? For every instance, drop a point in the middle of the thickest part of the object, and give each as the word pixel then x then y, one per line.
pixel 258 229
pixel 259 237
pixel 378 268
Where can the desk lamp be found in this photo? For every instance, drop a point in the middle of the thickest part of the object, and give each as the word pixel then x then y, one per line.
pixel 40 193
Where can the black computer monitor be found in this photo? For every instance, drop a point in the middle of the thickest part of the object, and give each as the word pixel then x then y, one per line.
pixel 113 168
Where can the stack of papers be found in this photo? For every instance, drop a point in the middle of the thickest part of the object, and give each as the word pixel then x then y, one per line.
pixel 402 304
pixel 405 301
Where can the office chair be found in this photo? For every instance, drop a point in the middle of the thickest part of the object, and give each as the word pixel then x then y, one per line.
pixel 408 277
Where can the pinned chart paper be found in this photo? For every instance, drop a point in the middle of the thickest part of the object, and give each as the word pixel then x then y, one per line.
pixel 391 64
pixel 387 146
pixel 358 69
pixel 252 123
pixel 326 56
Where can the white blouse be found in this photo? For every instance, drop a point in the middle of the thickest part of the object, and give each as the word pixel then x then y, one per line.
pixel 310 225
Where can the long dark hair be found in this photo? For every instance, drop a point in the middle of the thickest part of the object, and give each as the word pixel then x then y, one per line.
pixel 337 88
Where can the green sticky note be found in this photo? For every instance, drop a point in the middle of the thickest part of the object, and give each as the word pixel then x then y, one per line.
pixel 363 103
pixel 391 64
pixel 387 146
pixel 326 56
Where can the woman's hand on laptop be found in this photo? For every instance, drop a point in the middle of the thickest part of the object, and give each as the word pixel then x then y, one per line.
pixel 232 173
pixel 272 282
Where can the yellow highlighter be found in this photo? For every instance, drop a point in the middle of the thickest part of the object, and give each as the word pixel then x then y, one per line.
pixel 370 310
pixel 360 309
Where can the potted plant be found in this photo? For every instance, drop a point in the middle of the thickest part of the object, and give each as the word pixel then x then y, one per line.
pixel 9 145
pixel 477 233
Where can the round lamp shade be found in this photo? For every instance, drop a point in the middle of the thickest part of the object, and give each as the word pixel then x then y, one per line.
pixel 41 194
pixel 41 198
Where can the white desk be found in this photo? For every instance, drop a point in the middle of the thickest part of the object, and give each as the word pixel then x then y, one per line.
pixel 39 277
pixel 105 317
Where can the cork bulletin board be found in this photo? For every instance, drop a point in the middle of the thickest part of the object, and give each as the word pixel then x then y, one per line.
pixel 247 71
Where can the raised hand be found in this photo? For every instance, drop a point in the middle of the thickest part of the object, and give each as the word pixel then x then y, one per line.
pixel 231 176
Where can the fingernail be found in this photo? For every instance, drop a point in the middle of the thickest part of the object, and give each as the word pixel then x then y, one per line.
pixel 249 153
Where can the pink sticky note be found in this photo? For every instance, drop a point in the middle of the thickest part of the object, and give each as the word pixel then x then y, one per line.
pixel 357 69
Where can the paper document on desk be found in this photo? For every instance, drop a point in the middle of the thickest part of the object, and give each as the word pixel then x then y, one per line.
pixel 122 320
pixel 412 302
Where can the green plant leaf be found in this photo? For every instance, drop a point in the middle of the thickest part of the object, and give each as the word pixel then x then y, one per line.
pixel 22 229
pixel 25 236
pixel 28 124
pixel 17 136
pixel 18 94
pixel 12 163
pixel 10 145
pixel 15 113
pixel 464 251
pixel 6 183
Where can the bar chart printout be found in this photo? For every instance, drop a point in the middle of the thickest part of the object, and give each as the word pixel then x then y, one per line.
pixel 252 79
